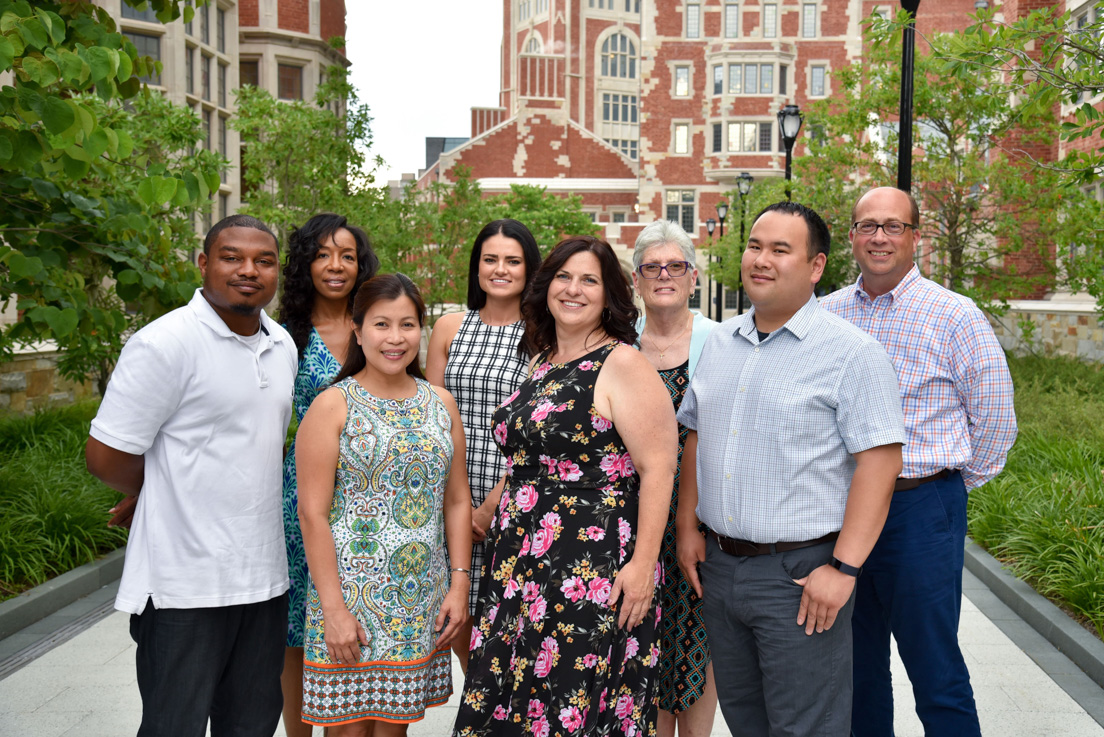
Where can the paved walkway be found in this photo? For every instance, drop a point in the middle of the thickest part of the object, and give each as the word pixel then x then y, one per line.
pixel 85 687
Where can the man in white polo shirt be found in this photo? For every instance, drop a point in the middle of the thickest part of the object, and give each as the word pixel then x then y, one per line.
pixel 194 420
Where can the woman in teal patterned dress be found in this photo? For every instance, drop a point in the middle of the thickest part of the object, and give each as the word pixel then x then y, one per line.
pixel 382 487
pixel 328 260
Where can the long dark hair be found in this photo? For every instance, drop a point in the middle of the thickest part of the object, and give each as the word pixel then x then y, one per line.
pixel 376 289
pixel 297 299
pixel 619 316
pixel 510 229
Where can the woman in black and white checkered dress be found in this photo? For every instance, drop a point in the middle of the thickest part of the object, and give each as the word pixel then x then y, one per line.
pixel 474 355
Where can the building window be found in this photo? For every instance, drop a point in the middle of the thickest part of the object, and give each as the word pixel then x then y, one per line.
pixel 224 206
pixel 290 82
pixel 132 14
pixel 204 13
pixel 766 79
pixel 222 84
pixel 731 20
pixel 618 57
pixel 680 208
pixel 731 299
pixel 682 81
pixel 693 20
pixel 542 6
pixel 222 136
pixel 751 79
pixel 220 29
pixel 189 70
pixel 533 46
pixel 150 46
pixel 205 76
pixel 717 136
pixel 695 298
pixel 249 72
pixel 816 81
pixel 618 108
pixel 188 28
pixel 718 79
pixel 735 79
pixel 524 9
pixel 631 6
pixel 809 20
pixel 770 20
pixel 682 138
pixel 749 137
pixel 207 130
pixel 618 217
pixel 783 78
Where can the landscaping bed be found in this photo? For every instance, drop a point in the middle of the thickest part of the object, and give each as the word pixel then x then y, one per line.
pixel 53 513
pixel 1043 516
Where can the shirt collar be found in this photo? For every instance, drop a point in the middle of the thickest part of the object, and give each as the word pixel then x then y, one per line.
pixel 897 292
pixel 207 315
pixel 799 323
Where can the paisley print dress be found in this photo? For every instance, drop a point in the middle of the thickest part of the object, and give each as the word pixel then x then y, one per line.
pixel 547 655
pixel 317 368
pixel 387 520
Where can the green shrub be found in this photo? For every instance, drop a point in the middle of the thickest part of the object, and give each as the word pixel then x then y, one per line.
pixel 53 513
pixel 1044 515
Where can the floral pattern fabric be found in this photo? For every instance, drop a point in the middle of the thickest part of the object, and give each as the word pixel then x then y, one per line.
pixel 548 658
pixel 387 520
pixel 317 368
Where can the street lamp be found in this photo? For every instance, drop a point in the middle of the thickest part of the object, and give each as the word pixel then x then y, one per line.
pixel 710 226
pixel 908 45
pixel 722 213
pixel 743 187
pixel 789 122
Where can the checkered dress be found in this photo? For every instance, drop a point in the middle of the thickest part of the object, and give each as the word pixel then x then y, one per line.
pixel 483 369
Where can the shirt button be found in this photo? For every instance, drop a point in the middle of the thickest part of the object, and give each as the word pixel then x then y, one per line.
pixel 730 518
pixel 743 388
pixel 728 476
pixel 756 350
pixel 735 432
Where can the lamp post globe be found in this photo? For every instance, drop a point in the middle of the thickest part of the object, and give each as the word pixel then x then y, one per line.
pixel 789 122
pixel 743 186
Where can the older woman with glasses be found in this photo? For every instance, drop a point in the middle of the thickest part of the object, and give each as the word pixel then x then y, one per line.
pixel 671 337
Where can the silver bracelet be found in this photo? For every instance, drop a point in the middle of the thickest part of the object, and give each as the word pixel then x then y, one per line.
pixel 462 570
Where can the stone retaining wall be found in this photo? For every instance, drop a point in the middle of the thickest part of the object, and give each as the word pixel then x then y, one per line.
pixel 1052 328
pixel 30 381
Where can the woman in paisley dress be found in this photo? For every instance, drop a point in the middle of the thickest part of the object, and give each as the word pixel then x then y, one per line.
pixel 566 642
pixel 379 496
pixel 328 259
pixel 672 337
pixel 475 356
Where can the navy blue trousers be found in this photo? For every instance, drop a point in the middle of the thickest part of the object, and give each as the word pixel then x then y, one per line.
pixel 911 586
pixel 221 663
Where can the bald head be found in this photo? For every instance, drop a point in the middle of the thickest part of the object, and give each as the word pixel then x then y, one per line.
pixel 889 193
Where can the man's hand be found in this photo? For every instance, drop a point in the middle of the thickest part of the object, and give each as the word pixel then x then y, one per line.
pixel 690 551
pixel 122 514
pixel 826 591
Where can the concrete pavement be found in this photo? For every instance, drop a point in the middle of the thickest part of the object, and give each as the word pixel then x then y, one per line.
pixel 85 686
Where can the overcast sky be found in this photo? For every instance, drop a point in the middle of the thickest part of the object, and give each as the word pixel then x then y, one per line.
pixel 421 67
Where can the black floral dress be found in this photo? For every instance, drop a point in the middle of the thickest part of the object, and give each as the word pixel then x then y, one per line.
pixel 547 655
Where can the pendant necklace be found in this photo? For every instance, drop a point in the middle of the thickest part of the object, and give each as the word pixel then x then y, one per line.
pixel 663 351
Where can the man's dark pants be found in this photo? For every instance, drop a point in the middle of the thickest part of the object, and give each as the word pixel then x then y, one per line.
pixel 772 678
pixel 218 662
pixel 912 586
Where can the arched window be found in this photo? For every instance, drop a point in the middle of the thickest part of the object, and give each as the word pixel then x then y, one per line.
pixel 619 57
pixel 533 46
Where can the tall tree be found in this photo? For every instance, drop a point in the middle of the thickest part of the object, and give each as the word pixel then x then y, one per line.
pixel 95 205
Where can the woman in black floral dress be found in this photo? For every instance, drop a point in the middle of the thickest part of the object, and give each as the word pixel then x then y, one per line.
pixel 566 642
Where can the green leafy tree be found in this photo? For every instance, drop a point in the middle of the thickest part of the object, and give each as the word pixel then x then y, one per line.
pixel 991 220
pixel 95 207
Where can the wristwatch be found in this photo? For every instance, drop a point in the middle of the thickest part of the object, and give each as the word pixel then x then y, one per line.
pixel 842 567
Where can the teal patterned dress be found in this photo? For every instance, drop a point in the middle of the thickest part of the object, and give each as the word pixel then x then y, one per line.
pixel 387 520
pixel 317 368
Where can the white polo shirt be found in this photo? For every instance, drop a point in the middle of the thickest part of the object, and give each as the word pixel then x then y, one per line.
pixel 209 410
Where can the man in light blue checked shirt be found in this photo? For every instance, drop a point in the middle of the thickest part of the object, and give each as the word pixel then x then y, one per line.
pixel 959 415
pixel 795 441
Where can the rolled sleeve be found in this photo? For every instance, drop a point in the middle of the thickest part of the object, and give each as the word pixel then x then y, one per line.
pixel 140 397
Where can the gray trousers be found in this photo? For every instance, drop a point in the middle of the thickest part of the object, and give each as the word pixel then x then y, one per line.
pixel 773 679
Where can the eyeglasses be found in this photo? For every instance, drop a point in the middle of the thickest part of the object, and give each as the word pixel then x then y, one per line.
pixel 675 269
pixel 892 228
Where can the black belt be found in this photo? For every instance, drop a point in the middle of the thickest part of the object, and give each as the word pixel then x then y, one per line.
pixel 747 548
pixel 909 484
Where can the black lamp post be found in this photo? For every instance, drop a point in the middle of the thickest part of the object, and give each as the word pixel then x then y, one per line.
pixel 722 213
pixel 904 153
pixel 789 122
pixel 743 186
pixel 710 226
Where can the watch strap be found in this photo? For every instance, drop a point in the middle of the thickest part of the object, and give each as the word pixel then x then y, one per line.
pixel 842 567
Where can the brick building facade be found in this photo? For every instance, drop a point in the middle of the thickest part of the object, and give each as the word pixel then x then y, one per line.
pixel 651 108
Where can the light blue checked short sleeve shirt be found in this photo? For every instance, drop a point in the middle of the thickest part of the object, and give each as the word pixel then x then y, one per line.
pixel 778 422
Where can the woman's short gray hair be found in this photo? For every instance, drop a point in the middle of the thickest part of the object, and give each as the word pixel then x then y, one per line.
pixel 660 233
